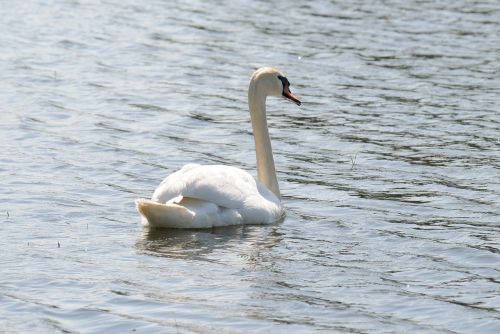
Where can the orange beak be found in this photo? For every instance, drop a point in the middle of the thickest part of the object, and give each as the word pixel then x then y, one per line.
pixel 289 95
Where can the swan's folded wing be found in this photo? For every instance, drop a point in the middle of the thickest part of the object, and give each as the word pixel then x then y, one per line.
pixel 225 186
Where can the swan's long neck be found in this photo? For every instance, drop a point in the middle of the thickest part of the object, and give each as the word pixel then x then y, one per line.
pixel 266 171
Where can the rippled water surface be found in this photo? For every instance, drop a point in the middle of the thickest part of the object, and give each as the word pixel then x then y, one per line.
pixel 390 171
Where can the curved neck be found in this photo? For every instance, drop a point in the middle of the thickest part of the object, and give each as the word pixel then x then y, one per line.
pixel 266 171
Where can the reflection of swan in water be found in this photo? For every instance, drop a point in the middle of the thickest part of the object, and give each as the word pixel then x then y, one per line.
pixel 217 195
pixel 197 244
pixel 206 274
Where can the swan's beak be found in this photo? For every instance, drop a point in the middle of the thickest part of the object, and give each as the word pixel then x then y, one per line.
pixel 288 94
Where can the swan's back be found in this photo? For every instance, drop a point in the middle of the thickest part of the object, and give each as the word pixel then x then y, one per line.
pixel 212 195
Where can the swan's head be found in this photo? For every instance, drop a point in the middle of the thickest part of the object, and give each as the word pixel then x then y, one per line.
pixel 271 82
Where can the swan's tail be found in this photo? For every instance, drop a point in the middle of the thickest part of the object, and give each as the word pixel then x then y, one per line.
pixel 164 215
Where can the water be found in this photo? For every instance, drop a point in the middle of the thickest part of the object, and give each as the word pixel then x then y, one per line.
pixel 389 171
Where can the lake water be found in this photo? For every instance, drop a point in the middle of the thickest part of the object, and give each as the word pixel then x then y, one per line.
pixel 390 170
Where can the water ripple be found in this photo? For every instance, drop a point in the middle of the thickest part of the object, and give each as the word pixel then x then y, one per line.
pixel 389 170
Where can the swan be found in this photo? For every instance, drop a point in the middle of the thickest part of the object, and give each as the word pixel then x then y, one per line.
pixel 205 196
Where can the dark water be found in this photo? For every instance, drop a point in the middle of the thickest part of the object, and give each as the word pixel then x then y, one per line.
pixel 390 170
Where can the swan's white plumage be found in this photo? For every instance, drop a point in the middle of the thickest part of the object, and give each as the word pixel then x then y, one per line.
pixel 203 196
pixel 199 196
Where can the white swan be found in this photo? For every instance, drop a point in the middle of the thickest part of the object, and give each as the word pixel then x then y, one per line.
pixel 201 196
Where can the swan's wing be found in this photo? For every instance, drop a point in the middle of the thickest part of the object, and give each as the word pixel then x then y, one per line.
pixel 224 186
pixel 214 195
